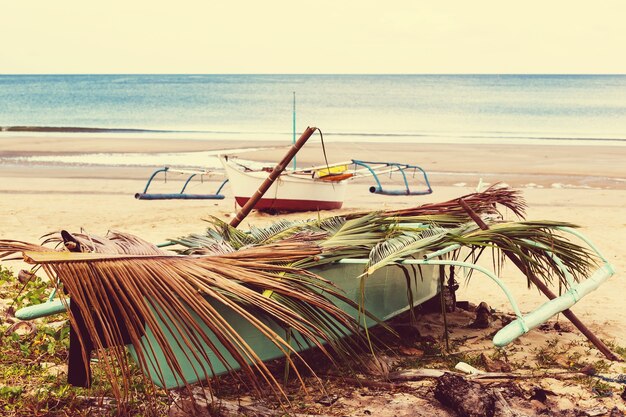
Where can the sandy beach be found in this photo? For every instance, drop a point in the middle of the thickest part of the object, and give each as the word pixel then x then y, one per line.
pixel 584 185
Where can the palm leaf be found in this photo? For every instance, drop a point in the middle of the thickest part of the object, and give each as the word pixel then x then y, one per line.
pixel 406 245
pixel 147 292
pixel 235 237
pixel 520 238
pixel 364 231
pixel 268 234
pixel 114 243
pixel 485 202
pixel 201 245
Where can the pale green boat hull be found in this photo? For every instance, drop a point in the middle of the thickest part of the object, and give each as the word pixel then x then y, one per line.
pixel 386 295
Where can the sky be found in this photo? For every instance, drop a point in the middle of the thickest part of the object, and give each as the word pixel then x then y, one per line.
pixel 322 36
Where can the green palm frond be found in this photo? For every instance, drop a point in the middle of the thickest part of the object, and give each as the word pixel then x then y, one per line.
pixel 269 234
pixel 201 244
pixel 443 220
pixel 404 246
pixel 329 224
pixel 320 228
pixel 365 231
pixel 521 239
pixel 235 237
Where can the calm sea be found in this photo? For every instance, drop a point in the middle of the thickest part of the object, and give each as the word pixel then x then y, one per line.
pixel 501 108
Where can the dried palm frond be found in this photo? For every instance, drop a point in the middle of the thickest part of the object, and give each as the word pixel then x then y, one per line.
pixel 484 202
pixel 9 248
pixel 114 243
pixel 165 294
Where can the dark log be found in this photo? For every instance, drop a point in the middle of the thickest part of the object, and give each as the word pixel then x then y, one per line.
pixel 466 398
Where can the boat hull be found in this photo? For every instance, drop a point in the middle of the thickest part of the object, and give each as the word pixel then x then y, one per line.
pixel 288 193
pixel 385 297
pixel 290 205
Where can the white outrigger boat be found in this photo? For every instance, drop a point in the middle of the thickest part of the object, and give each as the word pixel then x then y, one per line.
pixel 299 189
pixel 315 188
pixel 292 191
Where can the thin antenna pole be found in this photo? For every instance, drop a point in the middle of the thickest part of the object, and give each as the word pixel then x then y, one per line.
pixel 294 127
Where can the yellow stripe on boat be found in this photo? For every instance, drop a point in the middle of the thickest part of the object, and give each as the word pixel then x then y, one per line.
pixel 339 169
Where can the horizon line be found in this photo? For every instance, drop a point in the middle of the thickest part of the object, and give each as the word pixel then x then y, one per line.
pixel 320 73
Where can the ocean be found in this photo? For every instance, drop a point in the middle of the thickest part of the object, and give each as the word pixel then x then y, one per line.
pixel 400 108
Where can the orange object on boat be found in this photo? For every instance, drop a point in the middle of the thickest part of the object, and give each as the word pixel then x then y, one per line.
pixel 336 177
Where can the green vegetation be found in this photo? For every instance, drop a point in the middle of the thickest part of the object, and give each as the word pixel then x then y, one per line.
pixel 33 365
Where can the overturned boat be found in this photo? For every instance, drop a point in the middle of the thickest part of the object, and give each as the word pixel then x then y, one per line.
pixel 230 300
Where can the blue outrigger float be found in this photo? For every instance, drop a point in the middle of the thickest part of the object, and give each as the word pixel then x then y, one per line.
pixel 145 195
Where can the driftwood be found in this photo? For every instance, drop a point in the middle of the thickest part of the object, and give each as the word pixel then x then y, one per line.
pixel 363 382
pixel 415 374
pixel 470 399
pixel 467 399
pixel 418 374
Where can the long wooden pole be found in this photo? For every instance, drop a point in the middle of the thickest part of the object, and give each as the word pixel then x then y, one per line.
pixel 247 208
pixel 599 344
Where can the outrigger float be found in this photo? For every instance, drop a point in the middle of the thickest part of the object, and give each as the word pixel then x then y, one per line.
pixel 191 174
pixel 229 300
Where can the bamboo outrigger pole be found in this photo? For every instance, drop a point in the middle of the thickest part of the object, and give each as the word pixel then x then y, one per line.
pixel 599 344
pixel 247 208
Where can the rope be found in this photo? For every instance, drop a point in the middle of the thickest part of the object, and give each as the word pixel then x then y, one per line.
pixel 620 378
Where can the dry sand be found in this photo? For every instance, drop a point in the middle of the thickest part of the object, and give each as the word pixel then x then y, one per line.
pixel 584 185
